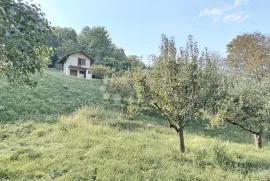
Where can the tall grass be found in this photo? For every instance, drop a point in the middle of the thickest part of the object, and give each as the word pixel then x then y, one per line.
pixel 64 130
pixel 97 144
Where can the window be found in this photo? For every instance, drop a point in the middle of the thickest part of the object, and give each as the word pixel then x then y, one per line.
pixel 89 72
pixel 81 61
pixel 81 72
pixel 73 72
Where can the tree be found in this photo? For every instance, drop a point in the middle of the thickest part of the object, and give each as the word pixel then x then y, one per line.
pixel 245 104
pixel 135 61
pixel 63 40
pixel 24 46
pixel 119 54
pixel 96 41
pixel 111 62
pixel 120 86
pixel 174 85
pixel 250 52
pixel 66 47
pixel 63 33
pixel 219 61
pixel 122 59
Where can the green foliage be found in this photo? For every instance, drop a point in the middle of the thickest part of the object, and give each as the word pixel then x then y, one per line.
pixel 24 46
pixel 62 33
pixel 96 41
pixel 120 87
pixel 119 54
pixel 245 104
pixel 178 86
pixel 111 62
pixel 63 40
pixel 66 47
pixel 135 61
pixel 100 71
pixel 119 65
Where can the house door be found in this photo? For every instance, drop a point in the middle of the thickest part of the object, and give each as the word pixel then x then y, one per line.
pixel 73 72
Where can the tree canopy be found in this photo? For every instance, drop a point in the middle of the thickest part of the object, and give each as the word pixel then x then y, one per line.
pixel 62 33
pixel 24 48
pixel 178 86
pixel 95 41
pixel 250 52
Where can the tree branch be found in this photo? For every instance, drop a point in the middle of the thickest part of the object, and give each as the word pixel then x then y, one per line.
pixel 172 123
pixel 237 124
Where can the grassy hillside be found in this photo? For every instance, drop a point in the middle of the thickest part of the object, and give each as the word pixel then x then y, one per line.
pixel 56 94
pixel 97 143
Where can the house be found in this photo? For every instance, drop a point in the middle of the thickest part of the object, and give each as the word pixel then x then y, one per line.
pixel 77 64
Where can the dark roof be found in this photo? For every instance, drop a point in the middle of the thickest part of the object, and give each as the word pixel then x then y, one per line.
pixel 64 58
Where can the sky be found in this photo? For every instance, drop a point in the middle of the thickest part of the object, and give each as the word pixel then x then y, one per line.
pixel 137 25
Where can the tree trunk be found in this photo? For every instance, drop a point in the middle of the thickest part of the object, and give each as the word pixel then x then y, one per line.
pixel 258 140
pixel 181 138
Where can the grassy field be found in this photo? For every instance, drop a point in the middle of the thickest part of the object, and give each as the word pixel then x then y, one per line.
pixel 97 143
pixel 56 94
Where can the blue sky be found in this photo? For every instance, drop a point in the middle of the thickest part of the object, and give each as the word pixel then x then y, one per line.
pixel 137 25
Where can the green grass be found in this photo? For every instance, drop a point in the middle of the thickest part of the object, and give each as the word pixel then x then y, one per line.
pixel 56 94
pixel 96 142
pixel 99 144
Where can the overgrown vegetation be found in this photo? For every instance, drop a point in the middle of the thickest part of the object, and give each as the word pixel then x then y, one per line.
pixel 98 144
pixel 100 71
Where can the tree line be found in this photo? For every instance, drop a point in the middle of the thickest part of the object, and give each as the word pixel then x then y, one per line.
pixel 96 42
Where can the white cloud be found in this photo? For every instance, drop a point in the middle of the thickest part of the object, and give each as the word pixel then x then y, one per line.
pixel 215 13
pixel 234 17
pixel 239 3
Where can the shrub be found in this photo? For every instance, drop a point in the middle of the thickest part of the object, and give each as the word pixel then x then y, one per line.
pixel 119 87
pixel 100 71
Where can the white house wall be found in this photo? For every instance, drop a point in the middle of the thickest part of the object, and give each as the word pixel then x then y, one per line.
pixel 73 60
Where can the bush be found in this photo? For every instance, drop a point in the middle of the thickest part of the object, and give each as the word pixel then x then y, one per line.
pixel 100 71
pixel 119 87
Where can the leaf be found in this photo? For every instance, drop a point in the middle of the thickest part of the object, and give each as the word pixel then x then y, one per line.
pixel 2 11
pixel 22 20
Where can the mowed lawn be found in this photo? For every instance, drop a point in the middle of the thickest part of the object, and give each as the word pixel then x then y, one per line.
pixel 64 130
